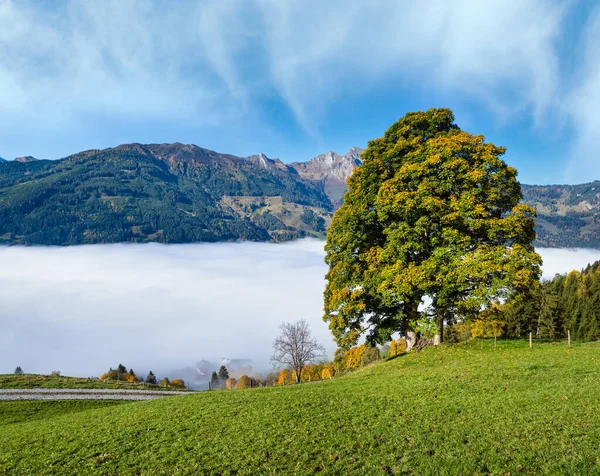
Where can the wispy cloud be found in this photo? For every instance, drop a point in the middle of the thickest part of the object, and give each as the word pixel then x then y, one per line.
pixel 209 64
pixel 583 103
pixel 503 52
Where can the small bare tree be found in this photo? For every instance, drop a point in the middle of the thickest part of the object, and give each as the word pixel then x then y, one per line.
pixel 296 347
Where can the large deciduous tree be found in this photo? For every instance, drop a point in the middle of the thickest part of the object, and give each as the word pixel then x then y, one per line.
pixel 295 347
pixel 431 216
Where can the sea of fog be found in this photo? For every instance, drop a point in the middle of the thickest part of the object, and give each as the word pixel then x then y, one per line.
pixel 83 309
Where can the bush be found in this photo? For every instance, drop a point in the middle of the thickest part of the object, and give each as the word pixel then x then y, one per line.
pixel 131 378
pixel 309 373
pixel 328 371
pixel 353 357
pixel 397 347
pixel 230 383
pixel 165 382
pixel 285 377
pixel 244 382
pixel 178 383
pixel 370 355
pixel 487 328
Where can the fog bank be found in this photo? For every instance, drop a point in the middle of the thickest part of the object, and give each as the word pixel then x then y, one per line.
pixel 161 307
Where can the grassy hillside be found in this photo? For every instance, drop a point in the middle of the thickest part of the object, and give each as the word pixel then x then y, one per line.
pixel 464 409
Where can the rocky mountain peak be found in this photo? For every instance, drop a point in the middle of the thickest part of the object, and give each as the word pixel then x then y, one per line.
pixel 26 159
pixel 332 169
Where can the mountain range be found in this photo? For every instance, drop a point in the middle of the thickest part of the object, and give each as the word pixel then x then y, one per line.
pixel 178 193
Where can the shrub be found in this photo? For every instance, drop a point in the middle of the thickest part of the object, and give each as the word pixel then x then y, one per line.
pixel 487 328
pixel 244 382
pixel 285 377
pixel 459 332
pixel 165 382
pixel 370 355
pixel 230 383
pixel 55 373
pixel 131 378
pixel 178 383
pixel 397 347
pixel 328 371
pixel 309 373
pixel 353 357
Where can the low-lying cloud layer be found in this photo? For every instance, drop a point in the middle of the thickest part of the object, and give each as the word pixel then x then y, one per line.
pixel 82 309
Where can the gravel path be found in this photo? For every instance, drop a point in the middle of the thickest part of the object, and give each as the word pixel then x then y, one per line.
pixel 83 394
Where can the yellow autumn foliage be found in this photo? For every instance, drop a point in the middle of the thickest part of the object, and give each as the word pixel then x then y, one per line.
pixel 285 377
pixel 244 382
pixel 487 328
pixel 328 371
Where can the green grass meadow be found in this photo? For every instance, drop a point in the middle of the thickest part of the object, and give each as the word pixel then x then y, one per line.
pixel 457 409
pixel 8 381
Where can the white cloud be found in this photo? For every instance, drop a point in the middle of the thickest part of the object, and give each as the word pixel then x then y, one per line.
pixel 82 309
pixel 582 105
pixel 561 261
pixel 203 62
pixel 500 52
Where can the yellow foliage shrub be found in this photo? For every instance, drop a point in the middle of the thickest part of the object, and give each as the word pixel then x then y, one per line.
pixel 309 373
pixel 230 383
pixel 327 372
pixel 285 377
pixel 397 347
pixel 352 357
pixel 130 378
pixel 487 328
pixel 244 382
pixel 178 383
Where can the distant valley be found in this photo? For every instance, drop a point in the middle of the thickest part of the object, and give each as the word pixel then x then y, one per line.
pixel 177 193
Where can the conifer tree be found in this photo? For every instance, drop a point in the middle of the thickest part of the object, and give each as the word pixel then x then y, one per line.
pixel 223 373
pixel 151 378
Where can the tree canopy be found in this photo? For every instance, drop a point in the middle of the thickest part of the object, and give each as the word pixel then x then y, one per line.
pixel 433 212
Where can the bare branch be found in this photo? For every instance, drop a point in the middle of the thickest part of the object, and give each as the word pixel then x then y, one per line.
pixel 295 347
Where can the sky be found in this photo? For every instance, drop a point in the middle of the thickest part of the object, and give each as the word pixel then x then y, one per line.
pixel 294 79
pixel 83 309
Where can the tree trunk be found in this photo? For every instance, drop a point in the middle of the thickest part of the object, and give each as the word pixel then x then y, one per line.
pixel 411 339
pixel 409 334
pixel 439 337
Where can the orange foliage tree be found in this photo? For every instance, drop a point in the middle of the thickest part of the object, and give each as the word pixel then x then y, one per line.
pixel 230 383
pixel 244 382
pixel 285 377
pixel 353 357
pixel 309 373
pixel 328 371
pixel 178 383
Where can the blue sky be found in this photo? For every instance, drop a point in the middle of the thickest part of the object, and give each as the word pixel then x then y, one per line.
pixel 294 79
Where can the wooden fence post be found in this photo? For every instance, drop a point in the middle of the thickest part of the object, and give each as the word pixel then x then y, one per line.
pixel 530 341
pixel 569 337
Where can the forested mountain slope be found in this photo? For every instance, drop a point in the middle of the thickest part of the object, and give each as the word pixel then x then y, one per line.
pixel 170 193
pixel 568 215
pixel 176 193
